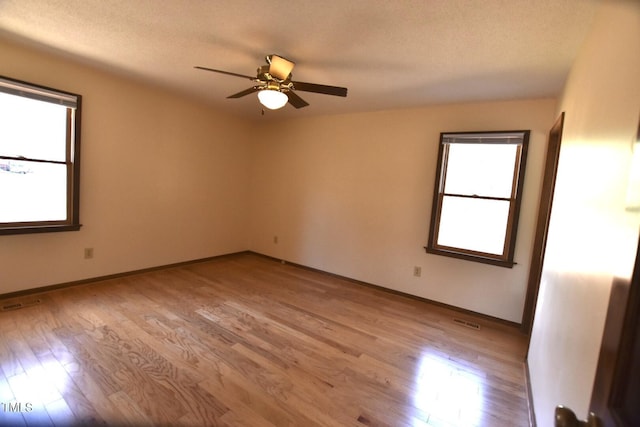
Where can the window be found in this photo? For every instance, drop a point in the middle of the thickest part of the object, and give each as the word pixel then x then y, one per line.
pixel 477 195
pixel 39 158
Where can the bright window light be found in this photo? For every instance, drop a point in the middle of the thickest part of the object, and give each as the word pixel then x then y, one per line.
pixel 477 196
pixel 39 153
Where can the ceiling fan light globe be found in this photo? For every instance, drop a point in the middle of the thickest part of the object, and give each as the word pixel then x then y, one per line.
pixel 272 99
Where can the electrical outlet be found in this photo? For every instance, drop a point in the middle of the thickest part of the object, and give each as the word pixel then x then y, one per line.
pixel 417 271
pixel 88 253
pixel 275 240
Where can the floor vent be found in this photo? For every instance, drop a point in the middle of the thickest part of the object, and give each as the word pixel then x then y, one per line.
pixel 467 324
pixel 19 304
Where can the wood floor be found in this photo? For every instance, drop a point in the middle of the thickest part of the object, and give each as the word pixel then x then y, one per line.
pixel 244 340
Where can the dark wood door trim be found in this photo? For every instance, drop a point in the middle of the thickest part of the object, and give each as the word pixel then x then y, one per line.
pixel 542 226
pixel 609 351
pixel 616 387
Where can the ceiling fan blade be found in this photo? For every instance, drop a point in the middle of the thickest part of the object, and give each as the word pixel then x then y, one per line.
pixel 295 100
pixel 245 92
pixel 279 67
pixel 225 72
pixel 324 89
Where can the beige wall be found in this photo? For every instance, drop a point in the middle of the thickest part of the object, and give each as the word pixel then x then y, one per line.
pixel 592 238
pixel 351 194
pixel 163 179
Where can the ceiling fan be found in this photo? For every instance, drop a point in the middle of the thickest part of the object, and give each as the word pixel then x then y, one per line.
pixel 275 87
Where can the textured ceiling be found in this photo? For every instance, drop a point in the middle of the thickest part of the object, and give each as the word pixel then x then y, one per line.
pixel 389 54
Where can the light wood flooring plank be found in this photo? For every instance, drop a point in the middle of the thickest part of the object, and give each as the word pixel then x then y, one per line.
pixel 244 340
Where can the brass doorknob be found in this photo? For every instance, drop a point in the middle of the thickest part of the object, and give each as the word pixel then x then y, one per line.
pixel 565 417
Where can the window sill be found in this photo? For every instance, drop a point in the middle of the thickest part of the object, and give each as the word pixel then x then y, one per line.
pixel 470 257
pixel 39 229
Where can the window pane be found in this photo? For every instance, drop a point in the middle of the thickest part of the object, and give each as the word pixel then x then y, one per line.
pixel 32 129
pixel 31 191
pixel 481 169
pixel 473 224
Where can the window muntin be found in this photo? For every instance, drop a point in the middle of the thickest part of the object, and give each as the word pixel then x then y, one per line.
pixel 39 158
pixel 477 195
